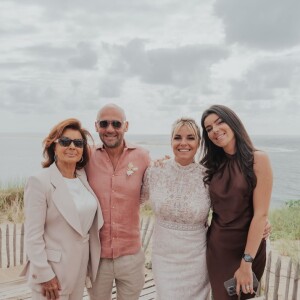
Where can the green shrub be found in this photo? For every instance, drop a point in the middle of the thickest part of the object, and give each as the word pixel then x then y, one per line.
pixel 286 229
pixel 286 221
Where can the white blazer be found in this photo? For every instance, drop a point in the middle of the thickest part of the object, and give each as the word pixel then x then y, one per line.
pixel 53 238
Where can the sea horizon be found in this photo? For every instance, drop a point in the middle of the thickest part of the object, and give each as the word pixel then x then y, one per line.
pixel 21 156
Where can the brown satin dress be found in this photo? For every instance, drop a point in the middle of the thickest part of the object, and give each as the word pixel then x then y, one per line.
pixel 226 239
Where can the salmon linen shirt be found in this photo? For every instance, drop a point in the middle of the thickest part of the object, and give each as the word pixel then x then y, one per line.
pixel 119 194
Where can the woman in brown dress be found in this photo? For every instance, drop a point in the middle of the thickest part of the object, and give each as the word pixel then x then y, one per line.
pixel 240 183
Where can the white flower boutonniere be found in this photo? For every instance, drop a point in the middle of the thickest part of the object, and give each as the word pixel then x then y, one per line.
pixel 131 169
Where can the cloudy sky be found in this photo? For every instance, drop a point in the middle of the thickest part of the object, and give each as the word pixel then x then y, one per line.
pixel 159 59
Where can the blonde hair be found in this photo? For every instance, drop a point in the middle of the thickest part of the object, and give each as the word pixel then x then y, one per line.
pixel 190 123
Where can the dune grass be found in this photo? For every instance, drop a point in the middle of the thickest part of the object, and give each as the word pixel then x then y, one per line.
pixel 285 220
pixel 286 229
pixel 12 203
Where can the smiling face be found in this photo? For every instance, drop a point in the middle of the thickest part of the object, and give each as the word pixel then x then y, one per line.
pixel 185 144
pixel 220 133
pixel 70 155
pixel 111 136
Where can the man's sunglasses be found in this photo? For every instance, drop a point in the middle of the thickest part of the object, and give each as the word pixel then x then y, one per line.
pixel 105 123
pixel 66 142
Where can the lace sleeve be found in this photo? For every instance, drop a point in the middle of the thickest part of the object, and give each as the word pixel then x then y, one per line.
pixel 145 191
pixel 206 194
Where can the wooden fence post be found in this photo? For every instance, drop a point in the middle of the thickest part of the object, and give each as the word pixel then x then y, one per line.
pixel 22 245
pixel 146 232
pixel 7 246
pixel 0 248
pixel 277 278
pixel 15 244
pixel 296 280
pixel 268 271
pixel 288 278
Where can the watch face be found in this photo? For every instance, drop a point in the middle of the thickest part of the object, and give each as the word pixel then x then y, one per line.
pixel 247 258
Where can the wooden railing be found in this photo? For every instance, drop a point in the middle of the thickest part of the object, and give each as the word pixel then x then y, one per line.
pixel 276 281
pixel 12 245
pixel 12 251
pixel 291 278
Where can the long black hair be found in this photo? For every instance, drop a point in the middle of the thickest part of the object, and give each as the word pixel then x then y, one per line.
pixel 213 157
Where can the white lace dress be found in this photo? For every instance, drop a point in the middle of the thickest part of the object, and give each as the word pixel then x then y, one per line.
pixel 181 205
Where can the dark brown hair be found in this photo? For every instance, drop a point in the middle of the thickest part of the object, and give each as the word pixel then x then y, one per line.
pixel 214 156
pixel 55 133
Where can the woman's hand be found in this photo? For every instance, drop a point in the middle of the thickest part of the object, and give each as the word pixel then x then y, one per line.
pixel 160 161
pixel 244 278
pixel 267 230
pixel 50 288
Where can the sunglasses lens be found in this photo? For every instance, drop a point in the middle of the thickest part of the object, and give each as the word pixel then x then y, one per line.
pixel 104 124
pixel 116 124
pixel 66 142
pixel 78 143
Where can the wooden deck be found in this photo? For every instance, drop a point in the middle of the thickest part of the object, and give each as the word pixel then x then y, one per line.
pixel 18 290
pixel 280 282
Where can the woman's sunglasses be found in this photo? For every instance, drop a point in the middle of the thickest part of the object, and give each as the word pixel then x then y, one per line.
pixel 66 142
pixel 105 123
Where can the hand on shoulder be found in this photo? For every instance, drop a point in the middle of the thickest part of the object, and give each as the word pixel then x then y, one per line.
pixel 160 161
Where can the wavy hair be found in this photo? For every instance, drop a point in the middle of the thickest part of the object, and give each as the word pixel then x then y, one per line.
pixel 213 157
pixel 57 132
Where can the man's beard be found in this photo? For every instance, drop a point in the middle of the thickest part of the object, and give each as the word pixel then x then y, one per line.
pixel 116 144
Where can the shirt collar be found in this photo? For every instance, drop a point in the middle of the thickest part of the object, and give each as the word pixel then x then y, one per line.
pixel 127 146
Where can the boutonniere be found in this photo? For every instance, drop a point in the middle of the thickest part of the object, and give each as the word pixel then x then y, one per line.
pixel 131 169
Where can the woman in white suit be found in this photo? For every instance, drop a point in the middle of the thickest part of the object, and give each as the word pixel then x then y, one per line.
pixel 63 218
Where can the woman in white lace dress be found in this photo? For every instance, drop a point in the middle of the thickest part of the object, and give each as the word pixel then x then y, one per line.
pixel 181 204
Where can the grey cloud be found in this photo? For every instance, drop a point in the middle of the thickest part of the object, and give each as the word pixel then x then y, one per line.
pixel 264 24
pixel 27 99
pixel 182 66
pixel 266 80
pixel 86 57
pixel 111 86
pixel 18 29
pixel 58 8
pixel 47 50
pixel 17 65
pixel 81 56
pixel 177 68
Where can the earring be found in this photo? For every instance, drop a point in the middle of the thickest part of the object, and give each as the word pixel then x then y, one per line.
pixel 81 160
pixel 55 157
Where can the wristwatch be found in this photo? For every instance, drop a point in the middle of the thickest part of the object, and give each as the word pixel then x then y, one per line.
pixel 248 258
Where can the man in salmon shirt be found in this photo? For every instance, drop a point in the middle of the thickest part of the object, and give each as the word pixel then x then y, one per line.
pixel 115 172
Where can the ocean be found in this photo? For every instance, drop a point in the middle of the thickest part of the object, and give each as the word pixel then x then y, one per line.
pixel 21 156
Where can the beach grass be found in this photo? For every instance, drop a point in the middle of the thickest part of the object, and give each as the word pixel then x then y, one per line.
pixel 286 229
pixel 285 220
pixel 12 203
